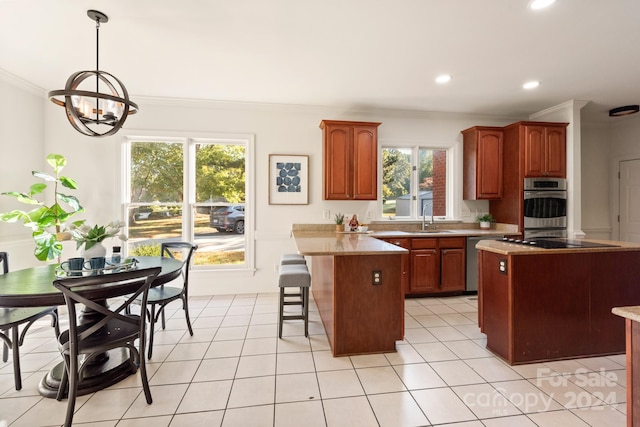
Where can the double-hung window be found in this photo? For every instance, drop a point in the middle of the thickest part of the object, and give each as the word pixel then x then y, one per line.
pixel 414 182
pixel 193 189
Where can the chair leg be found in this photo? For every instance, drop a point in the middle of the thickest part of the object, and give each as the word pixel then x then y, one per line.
pixel 5 347
pixel 143 374
pixel 16 358
pixel 64 380
pixel 73 390
pixel 305 294
pixel 281 312
pixel 152 322
pixel 185 306
pixel 55 322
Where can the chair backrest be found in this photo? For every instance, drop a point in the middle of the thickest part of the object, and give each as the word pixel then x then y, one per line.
pixel 186 249
pixel 4 259
pixel 92 290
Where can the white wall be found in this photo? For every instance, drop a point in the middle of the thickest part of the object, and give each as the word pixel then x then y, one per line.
pixel 624 145
pixel 596 200
pixel 21 142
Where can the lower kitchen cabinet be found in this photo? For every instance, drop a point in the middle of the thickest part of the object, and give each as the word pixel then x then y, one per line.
pixel 434 265
pixel 405 261
pixel 437 265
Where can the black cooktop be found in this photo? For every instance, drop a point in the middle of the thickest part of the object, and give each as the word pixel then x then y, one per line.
pixel 557 243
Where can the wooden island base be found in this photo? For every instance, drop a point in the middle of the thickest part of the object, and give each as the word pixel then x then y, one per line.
pixel 359 317
pixel 550 305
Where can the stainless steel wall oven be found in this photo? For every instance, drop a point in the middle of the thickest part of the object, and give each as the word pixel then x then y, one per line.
pixel 545 207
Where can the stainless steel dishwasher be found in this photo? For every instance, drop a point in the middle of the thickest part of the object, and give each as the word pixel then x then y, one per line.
pixel 472 262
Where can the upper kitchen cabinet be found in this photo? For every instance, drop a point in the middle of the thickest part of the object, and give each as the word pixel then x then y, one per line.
pixel 531 149
pixel 482 157
pixel 350 157
pixel 544 149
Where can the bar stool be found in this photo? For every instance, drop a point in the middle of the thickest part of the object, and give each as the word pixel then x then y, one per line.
pixel 289 259
pixel 294 276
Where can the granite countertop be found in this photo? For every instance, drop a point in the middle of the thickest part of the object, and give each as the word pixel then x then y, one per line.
pixel 630 312
pixel 331 243
pixel 507 248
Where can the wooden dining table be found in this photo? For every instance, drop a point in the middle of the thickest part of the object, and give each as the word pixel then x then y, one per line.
pixel 33 287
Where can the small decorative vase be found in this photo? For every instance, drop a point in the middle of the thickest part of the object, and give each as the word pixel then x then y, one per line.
pixel 339 227
pixel 485 225
pixel 96 250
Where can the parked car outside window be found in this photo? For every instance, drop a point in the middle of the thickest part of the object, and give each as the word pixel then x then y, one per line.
pixel 227 218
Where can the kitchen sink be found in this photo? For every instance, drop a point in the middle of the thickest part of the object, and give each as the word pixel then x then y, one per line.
pixel 430 231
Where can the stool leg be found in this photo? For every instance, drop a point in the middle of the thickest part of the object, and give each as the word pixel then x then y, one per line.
pixel 306 311
pixel 281 312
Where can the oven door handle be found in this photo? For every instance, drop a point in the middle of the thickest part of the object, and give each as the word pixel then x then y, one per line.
pixel 545 195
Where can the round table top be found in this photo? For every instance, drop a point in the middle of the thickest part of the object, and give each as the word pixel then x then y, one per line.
pixel 33 287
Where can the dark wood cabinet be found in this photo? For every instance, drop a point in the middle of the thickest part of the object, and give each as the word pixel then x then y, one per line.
pixel 405 261
pixel 545 150
pixel 350 160
pixel 531 149
pixel 482 158
pixel 553 306
pixel 437 265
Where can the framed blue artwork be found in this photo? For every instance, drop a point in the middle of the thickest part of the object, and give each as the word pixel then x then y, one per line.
pixel 288 179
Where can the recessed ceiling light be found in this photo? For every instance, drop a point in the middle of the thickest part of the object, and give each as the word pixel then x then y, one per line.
pixel 443 78
pixel 531 85
pixel 540 4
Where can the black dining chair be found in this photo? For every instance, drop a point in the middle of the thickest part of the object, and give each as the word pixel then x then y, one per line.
pixel 110 328
pixel 10 321
pixel 162 295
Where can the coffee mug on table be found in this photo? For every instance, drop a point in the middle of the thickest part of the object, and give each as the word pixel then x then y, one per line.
pixel 95 263
pixel 73 266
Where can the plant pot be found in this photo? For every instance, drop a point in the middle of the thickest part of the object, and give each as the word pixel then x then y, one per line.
pixel 339 227
pixel 96 250
pixel 485 225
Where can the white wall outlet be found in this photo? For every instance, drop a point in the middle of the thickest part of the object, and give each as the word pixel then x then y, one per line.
pixel 326 214
pixel 276 267
pixel 369 215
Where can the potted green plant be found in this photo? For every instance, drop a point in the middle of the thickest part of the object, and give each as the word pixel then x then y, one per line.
pixel 485 220
pixel 339 220
pixel 46 222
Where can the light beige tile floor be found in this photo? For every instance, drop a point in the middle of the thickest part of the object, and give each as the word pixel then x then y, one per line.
pixel 234 371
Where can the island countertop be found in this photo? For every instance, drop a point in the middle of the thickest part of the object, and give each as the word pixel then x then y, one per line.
pixel 506 248
pixel 312 243
pixel 629 312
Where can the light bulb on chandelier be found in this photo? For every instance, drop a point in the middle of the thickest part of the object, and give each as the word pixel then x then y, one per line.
pixel 95 112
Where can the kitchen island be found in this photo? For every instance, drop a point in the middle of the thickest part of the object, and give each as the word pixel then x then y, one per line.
pixel 356 283
pixel 538 304
pixel 631 317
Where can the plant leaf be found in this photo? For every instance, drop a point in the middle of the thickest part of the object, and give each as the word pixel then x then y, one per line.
pixel 23 198
pixel 44 176
pixel 71 201
pixel 13 216
pixel 57 161
pixel 68 182
pixel 37 188
pixel 47 246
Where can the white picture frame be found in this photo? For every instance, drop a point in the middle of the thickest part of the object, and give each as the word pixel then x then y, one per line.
pixel 288 179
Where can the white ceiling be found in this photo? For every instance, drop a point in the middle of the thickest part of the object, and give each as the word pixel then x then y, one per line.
pixel 340 53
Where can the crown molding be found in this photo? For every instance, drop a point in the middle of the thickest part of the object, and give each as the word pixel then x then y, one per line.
pixel 21 83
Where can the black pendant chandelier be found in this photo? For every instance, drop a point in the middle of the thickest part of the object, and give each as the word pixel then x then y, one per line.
pixel 92 112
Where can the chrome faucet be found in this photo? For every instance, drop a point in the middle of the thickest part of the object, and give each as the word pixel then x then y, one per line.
pixel 432 223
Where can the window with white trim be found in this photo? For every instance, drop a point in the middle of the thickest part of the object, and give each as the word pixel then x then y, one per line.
pixel 190 189
pixel 414 181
